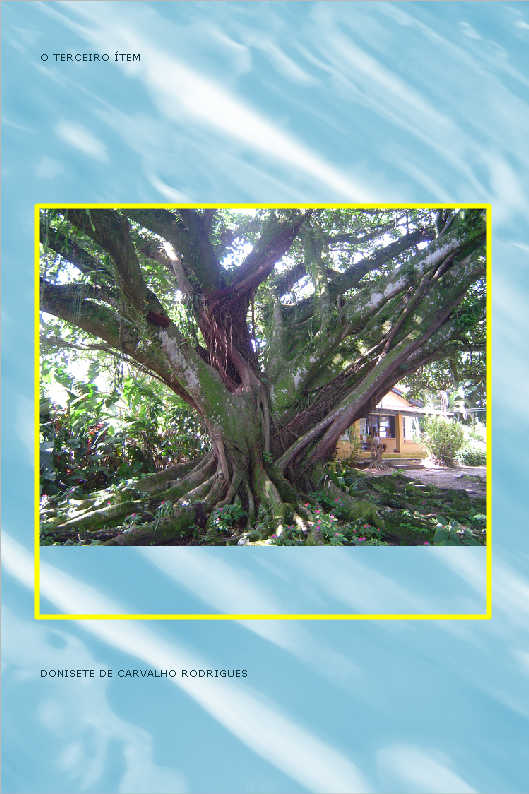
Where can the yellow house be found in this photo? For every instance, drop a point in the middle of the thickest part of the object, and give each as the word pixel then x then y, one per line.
pixel 395 421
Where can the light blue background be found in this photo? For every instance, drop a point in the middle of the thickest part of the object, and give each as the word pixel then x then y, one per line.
pixel 269 102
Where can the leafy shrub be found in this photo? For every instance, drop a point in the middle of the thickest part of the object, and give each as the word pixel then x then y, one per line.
pixel 223 521
pixel 452 533
pixel 292 535
pixel 232 515
pixel 324 529
pixel 474 451
pixel 164 512
pixel 359 533
pixel 410 527
pixel 443 439
pixel 341 474
pixel 328 500
pixel 473 457
pixel 477 431
pixel 97 439
pixel 266 522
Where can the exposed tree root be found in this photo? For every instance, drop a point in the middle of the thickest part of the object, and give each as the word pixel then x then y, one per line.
pixel 232 490
pixel 251 507
pixel 94 519
pixel 158 533
pixel 199 492
pixel 191 510
pixel 179 488
pixel 84 536
pixel 175 512
pixel 155 482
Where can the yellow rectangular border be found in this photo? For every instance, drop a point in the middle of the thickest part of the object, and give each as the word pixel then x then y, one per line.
pixel 487 615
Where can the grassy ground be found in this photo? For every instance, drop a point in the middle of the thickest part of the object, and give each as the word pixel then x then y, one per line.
pixel 391 510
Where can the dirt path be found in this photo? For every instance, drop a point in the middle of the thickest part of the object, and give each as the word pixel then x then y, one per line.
pixel 472 479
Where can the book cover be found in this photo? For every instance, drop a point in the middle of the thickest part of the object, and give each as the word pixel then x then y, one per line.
pixel 263 266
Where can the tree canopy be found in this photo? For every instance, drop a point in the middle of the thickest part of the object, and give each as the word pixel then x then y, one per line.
pixel 278 327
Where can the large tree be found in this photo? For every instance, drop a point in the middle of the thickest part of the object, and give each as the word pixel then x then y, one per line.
pixel 279 327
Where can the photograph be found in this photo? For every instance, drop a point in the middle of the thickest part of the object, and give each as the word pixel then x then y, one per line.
pixel 291 375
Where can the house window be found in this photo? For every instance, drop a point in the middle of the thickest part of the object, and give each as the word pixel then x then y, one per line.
pixel 381 426
pixel 387 427
pixel 411 428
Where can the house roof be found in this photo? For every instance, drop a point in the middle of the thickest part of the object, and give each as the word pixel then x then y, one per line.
pixel 395 400
pixel 411 401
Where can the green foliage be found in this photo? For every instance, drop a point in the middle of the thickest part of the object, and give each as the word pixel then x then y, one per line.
pixel 474 452
pixel 407 512
pixel 266 522
pixel 473 457
pixel 103 437
pixel 231 515
pixel 342 474
pixel 443 438
pixel 452 533
pixel 326 529
pixel 164 512
pixel 223 521
pixel 462 375
pixel 133 520
pixel 292 535
pixel 327 500
pixel 356 447
pixel 477 432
